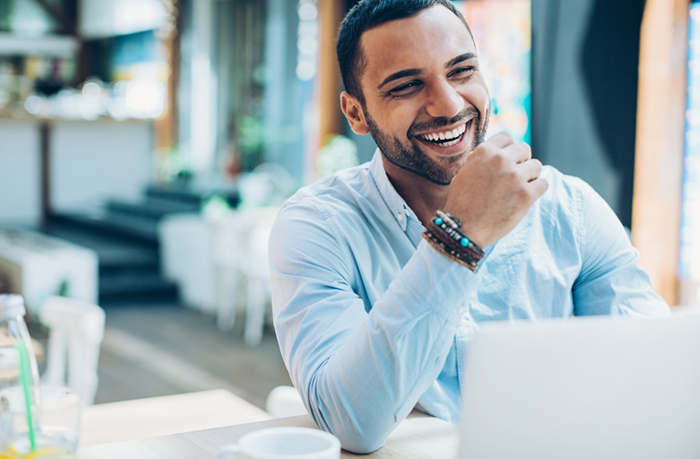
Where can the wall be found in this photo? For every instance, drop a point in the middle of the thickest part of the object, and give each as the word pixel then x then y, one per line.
pixel 20 173
pixel 95 161
pixel 284 93
pixel 585 59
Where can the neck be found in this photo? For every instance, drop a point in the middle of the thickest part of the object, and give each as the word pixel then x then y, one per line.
pixel 422 196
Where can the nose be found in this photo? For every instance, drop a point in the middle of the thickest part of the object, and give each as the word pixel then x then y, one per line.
pixel 443 100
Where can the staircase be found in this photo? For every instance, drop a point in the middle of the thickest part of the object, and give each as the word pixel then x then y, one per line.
pixel 125 237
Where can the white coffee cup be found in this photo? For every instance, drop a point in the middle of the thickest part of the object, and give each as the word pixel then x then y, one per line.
pixel 283 443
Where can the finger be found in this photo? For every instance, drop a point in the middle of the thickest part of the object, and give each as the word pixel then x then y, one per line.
pixel 539 186
pixel 530 170
pixel 501 140
pixel 519 152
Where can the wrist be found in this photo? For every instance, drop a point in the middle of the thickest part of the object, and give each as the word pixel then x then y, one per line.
pixel 470 229
pixel 444 234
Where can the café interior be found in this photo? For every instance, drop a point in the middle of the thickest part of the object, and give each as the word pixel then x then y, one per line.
pixel 147 145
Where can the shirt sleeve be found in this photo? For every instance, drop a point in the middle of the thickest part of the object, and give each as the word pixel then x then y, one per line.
pixel 611 281
pixel 360 370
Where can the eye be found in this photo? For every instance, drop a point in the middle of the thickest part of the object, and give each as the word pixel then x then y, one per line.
pixel 406 88
pixel 463 72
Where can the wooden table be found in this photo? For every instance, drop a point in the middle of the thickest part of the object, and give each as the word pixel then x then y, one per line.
pixel 168 415
pixel 419 436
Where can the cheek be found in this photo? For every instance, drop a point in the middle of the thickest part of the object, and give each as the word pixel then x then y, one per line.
pixel 402 122
pixel 395 118
pixel 482 96
pixel 477 94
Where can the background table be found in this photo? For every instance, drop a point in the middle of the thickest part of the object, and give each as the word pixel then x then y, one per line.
pixel 37 266
pixel 158 416
pixel 419 436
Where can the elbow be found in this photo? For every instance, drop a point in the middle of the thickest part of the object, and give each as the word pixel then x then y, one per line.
pixel 354 436
pixel 360 423
pixel 357 443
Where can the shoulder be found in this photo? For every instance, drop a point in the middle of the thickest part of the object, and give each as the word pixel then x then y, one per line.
pixel 568 194
pixel 564 187
pixel 561 209
pixel 317 216
pixel 573 193
pixel 332 194
pixel 572 203
pixel 564 194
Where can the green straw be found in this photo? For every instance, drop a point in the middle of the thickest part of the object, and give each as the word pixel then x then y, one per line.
pixel 25 378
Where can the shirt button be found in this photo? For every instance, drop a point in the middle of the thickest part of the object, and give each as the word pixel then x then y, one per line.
pixel 399 216
pixel 408 213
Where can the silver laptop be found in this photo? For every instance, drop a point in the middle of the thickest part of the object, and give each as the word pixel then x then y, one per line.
pixel 584 388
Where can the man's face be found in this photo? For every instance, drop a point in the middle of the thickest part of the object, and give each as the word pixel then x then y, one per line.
pixel 426 103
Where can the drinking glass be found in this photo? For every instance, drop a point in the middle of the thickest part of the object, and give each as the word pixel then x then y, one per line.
pixel 56 425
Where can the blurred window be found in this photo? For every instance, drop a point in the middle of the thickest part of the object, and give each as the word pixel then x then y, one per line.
pixel 689 253
pixel 502 31
pixel 27 17
pixel 106 18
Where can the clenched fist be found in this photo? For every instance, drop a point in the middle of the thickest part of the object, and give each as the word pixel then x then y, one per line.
pixel 495 188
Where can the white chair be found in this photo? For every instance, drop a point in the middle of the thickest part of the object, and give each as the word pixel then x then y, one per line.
pixel 186 258
pixel 228 253
pixel 257 276
pixel 284 401
pixel 76 329
pixel 240 244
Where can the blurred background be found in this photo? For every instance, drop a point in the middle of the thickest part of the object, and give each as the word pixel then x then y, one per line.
pixel 145 146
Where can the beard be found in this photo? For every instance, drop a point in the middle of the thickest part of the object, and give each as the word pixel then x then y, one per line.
pixel 410 157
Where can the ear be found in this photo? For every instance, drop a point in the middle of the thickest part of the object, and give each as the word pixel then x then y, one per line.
pixel 352 108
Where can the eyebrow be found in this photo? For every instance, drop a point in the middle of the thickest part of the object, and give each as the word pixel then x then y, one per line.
pixel 400 74
pixel 413 72
pixel 460 58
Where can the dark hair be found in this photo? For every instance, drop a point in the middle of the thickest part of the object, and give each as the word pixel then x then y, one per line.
pixel 366 15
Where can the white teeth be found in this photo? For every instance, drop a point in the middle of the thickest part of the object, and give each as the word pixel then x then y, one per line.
pixel 449 135
pixel 450 143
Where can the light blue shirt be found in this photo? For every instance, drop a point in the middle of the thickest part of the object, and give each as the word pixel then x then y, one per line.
pixel 372 321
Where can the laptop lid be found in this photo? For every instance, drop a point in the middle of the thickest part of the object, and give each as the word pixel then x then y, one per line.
pixel 583 388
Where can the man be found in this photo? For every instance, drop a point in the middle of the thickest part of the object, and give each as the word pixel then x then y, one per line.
pixel 372 319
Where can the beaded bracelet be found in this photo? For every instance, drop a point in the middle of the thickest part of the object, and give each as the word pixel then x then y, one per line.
pixel 451 226
pixel 440 247
pixel 444 233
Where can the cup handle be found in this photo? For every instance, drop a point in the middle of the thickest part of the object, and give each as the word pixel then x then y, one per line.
pixel 229 451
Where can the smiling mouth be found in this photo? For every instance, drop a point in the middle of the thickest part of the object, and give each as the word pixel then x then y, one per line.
pixel 446 138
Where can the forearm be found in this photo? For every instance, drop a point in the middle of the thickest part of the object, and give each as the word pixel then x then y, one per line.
pixel 365 382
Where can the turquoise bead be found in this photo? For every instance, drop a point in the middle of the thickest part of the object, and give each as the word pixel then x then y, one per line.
pixel 464 242
pixel 438 221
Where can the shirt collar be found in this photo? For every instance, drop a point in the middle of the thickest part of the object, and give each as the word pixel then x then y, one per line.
pixel 398 207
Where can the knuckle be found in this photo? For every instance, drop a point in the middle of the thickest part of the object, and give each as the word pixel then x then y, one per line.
pixel 523 194
pixel 535 166
pixel 514 175
pixel 498 159
pixel 507 137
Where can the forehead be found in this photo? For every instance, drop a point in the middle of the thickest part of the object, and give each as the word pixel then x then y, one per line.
pixel 425 41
